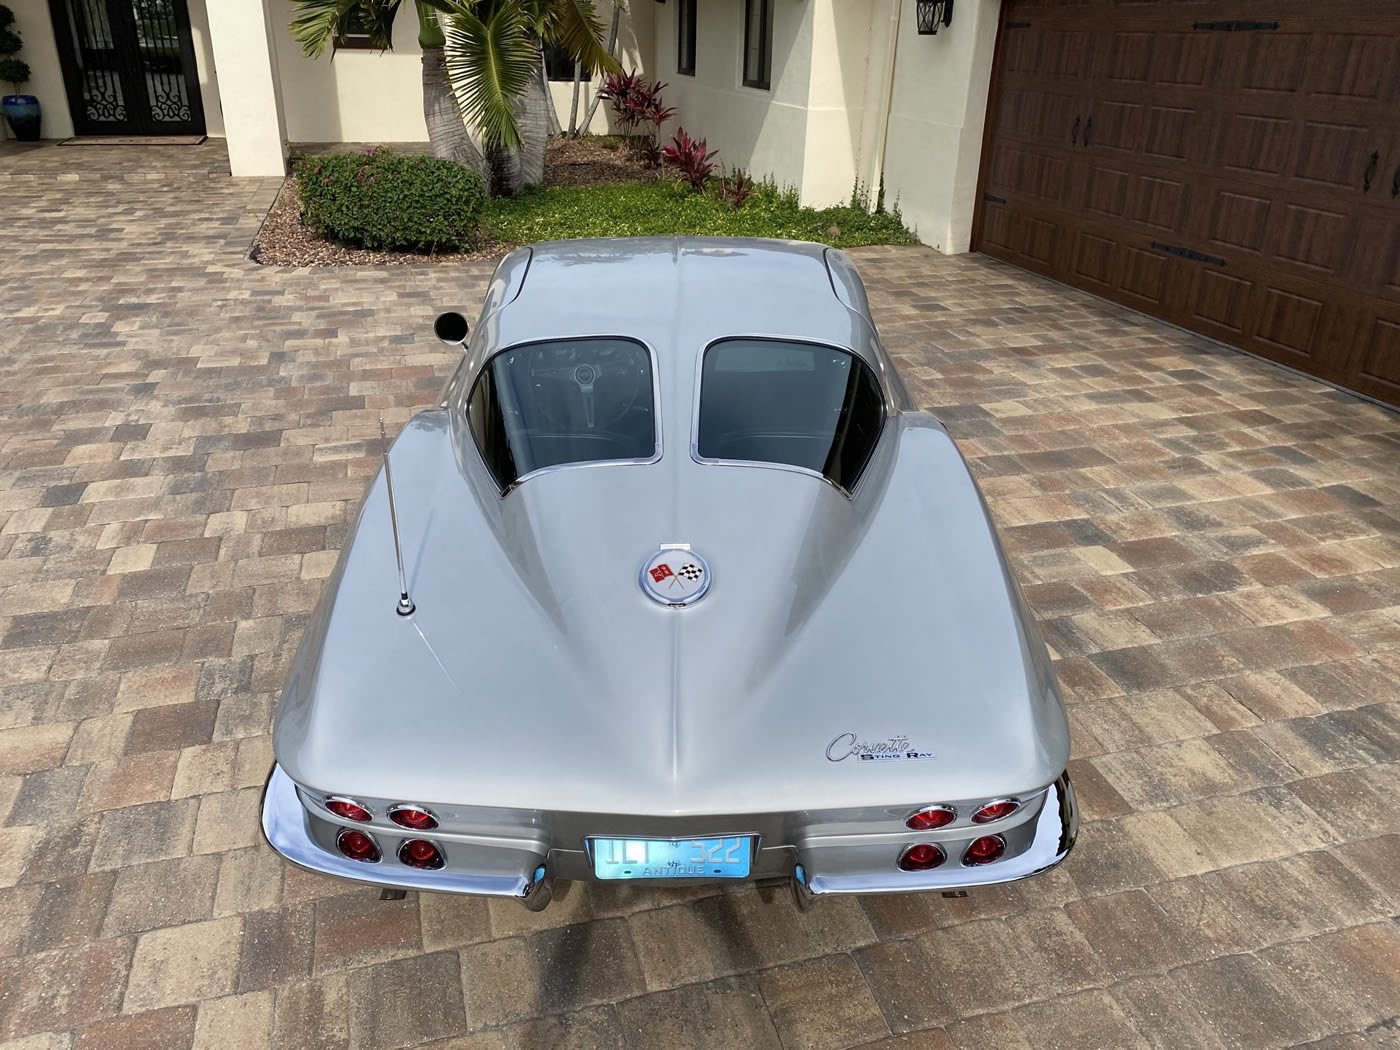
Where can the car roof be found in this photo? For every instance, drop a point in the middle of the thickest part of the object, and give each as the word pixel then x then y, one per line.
pixel 680 292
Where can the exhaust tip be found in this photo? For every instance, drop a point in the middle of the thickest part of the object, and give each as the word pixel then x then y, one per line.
pixel 451 328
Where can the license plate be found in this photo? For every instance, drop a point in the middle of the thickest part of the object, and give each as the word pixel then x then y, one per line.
pixel 667 859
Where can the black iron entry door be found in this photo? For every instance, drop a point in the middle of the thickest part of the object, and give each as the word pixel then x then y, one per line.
pixel 129 66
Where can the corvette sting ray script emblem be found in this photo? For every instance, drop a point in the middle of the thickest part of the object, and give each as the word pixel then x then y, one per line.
pixel 895 748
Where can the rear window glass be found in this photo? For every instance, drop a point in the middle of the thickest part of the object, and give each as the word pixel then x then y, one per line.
pixel 767 401
pixel 573 401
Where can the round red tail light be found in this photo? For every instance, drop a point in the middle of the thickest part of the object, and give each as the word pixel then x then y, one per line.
pixel 413 818
pixel 931 818
pixel 922 857
pixel 357 846
pixel 1002 807
pixel 420 853
pixel 985 850
pixel 347 808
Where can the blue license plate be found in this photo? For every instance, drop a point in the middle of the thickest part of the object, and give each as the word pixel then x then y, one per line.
pixel 667 859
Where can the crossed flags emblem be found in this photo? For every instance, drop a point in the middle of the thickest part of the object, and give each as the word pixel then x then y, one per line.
pixel 689 571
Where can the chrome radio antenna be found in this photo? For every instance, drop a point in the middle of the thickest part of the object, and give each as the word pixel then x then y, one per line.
pixel 405 606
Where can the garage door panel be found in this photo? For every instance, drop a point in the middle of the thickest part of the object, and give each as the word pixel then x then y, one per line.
pixel 1351 66
pixel 1182 59
pixel 1237 220
pixel 1378 257
pixel 1159 201
pixel 1220 302
pixel 1271 63
pixel 1028 173
pixel 1379 366
pixel 1256 144
pixel 1310 238
pixel 1095 261
pixel 1223 183
pixel 1292 325
pixel 1145 281
pixel 1333 154
pixel 1170 131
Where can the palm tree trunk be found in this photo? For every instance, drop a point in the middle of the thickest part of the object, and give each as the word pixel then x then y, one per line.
pixel 612 50
pixel 503 171
pixel 531 113
pixel 551 114
pixel 573 107
pixel 447 133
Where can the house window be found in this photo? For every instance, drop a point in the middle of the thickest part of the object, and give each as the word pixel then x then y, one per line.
pixel 685 37
pixel 558 63
pixel 758 43
pixel 356 36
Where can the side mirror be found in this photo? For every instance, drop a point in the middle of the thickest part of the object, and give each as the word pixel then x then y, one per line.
pixel 451 328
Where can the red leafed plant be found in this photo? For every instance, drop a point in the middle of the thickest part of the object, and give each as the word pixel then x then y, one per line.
pixel 636 103
pixel 692 159
pixel 739 190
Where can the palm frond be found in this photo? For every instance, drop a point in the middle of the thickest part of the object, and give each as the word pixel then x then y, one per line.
pixel 318 23
pixel 575 26
pixel 377 19
pixel 489 63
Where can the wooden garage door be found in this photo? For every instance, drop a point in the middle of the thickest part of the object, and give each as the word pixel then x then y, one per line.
pixel 1231 167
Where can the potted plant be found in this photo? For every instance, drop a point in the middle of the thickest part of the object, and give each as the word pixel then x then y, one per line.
pixel 22 111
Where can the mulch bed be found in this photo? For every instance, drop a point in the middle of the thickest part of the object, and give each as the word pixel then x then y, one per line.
pixel 284 241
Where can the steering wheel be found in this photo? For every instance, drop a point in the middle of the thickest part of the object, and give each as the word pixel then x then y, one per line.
pixel 582 377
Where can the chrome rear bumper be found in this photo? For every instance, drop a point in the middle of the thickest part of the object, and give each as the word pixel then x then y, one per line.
pixel 287 825
pixel 515 867
pixel 1052 838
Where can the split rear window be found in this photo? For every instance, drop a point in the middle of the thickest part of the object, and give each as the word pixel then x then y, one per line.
pixel 796 404
pixel 569 401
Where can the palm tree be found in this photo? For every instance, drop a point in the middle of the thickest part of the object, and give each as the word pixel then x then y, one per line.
pixel 486 68
pixel 495 60
pixel 319 24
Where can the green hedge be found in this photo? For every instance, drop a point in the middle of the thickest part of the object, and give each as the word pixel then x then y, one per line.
pixel 384 199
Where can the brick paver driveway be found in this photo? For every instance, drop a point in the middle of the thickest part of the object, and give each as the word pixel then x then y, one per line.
pixel 1212 544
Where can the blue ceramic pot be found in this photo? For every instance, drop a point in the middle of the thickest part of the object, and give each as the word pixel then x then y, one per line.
pixel 22 111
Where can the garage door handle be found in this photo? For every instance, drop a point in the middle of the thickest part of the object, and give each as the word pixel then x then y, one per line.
pixel 1370 172
pixel 1074 132
pixel 1088 127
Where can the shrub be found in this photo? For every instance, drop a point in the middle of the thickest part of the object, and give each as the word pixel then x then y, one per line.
pixel 691 158
pixel 636 103
pixel 384 199
pixel 12 70
pixel 739 190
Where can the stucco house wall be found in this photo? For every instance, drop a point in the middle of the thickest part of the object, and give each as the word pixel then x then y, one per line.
pixel 764 131
pixel 937 117
pixel 857 95
pixel 35 27
pixel 357 96
pixel 366 96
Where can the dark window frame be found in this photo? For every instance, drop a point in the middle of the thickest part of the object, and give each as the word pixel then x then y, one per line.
pixel 557 56
pixel 685 37
pixel 356 38
pixel 762 78
pixel 865 368
pixel 483 372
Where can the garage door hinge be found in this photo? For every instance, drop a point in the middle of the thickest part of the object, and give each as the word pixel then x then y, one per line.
pixel 993 198
pixel 1235 27
pixel 1189 253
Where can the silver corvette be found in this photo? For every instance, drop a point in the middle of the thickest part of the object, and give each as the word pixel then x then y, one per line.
pixel 673 584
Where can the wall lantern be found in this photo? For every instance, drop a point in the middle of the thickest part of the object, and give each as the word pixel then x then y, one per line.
pixel 930 14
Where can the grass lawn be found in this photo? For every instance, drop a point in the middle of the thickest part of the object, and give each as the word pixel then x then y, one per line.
pixel 665 208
